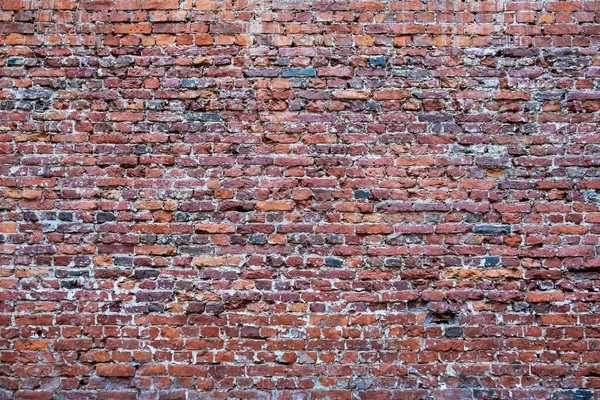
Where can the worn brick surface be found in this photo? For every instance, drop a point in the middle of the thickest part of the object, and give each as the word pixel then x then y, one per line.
pixel 299 199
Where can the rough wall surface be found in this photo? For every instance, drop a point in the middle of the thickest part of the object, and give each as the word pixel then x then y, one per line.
pixel 299 199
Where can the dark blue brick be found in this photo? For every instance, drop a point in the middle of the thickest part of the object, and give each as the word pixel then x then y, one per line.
pixel 486 229
pixel 104 217
pixel 65 216
pixel 298 72
pixel 490 261
pixel 333 262
pixel 362 194
pixel 579 394
pixel 212 117
pixel 13 61
pixel 258 238
pixel 378 61
pixel 188 83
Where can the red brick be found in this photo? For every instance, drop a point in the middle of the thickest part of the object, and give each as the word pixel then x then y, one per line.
pixel 116 370
pixel 160 4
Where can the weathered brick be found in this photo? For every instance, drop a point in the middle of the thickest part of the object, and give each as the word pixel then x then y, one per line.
pixel 299 199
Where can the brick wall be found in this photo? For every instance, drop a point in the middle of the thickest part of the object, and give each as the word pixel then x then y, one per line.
pixel 299 199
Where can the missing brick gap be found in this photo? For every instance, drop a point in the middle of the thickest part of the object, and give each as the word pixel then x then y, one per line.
pixel 447 317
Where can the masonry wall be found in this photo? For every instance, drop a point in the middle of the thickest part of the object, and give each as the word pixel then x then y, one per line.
pixel 296 199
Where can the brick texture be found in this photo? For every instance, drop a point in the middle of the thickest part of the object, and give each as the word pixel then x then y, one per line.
pixel 299 199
